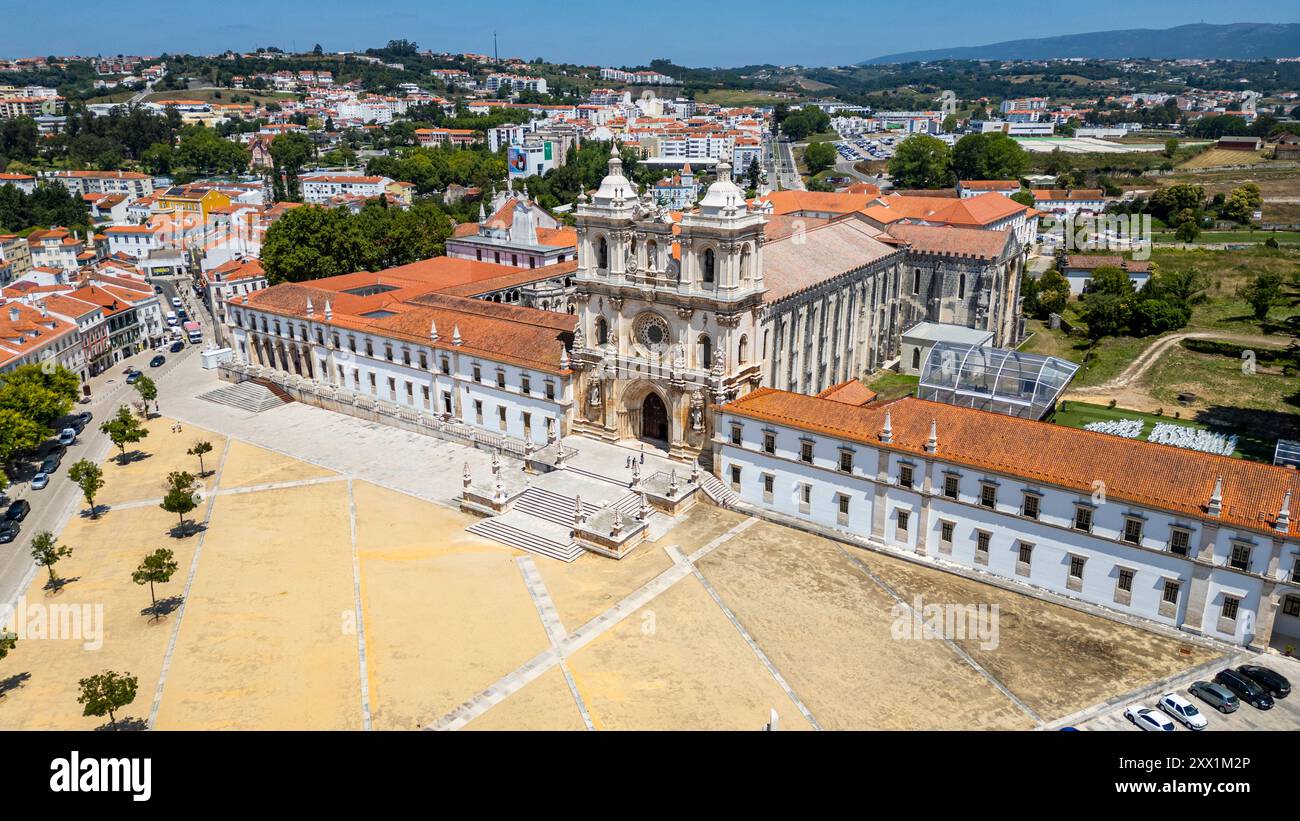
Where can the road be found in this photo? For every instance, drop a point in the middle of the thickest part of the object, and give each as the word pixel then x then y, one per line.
pixel 783 169
pixel 54 505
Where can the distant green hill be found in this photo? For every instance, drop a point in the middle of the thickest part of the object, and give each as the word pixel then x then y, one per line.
pixel 1234 41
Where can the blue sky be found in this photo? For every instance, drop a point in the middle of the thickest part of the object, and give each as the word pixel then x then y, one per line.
pixel 612 32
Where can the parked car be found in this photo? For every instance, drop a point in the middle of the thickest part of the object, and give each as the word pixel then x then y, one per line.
pixel 51 463
pixel 8 531
pixel 67 436
pixel 177 346
pixel 157 361
pixel 40 480
pixel 1274 682
pixel 1245 689
pixel 1147 719
pixel 85 417
pixel 1215 695
pixel 133 377
pixel 1182 711
pixel 176 302
pixel 157 289
pixel 18 511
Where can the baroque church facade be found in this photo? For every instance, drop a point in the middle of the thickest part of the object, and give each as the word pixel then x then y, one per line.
pixel 676 316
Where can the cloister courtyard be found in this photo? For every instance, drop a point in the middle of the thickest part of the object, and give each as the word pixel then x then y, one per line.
pixel 312 597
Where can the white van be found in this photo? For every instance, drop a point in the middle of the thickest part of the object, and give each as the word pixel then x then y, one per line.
pixel 171 318
pixel 176 302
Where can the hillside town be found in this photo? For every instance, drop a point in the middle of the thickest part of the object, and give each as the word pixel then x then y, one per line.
pixel 651 397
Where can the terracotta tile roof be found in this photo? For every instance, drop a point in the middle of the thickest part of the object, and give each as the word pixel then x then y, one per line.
pixel 1061 194
pixel 953 241
pixel 972 212
pixel 852 392
pixel 990 185
pixel 1143 473
pixel 793 202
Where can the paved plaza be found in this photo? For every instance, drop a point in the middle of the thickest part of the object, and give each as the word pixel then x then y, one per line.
pixel 332 584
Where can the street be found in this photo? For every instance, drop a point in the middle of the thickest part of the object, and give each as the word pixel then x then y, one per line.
pixel 55 504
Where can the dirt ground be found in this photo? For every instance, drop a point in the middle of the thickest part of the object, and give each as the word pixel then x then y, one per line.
pixel 297 565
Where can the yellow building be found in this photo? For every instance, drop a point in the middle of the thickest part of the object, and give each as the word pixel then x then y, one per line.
pixel 191 202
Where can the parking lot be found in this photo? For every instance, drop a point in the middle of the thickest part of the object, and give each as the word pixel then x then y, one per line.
pixel 856 149
pixel 1284 715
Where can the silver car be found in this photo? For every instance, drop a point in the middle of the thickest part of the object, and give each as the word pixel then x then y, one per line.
pixel 1215 695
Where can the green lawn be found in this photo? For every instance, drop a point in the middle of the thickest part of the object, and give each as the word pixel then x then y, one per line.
pixel 1080 414
pixel 893 385
pixel 1213 237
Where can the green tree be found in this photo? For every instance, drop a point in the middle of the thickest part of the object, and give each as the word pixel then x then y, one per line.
pixel 40 394
pixel 1025 197
pixel 1187 231
pixel 123 429
pixel 921 161
pixel 1106 314
pixel 180 498
pixel 991 156
pixel 1262 292
pixel 90 478
pixel 1242 203
pixel 105 693
pixel 290 153
pixel 818 157
pixel 148 391
pixel 1053 292
pixel 8 641
pixel 157 568
pixel 18 434
pixel 1156 316
pixel 198 449
pixel 47 552
pixel 207 152
pixel 1171 147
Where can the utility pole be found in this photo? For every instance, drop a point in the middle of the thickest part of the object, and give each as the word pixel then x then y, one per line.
pixel 496 53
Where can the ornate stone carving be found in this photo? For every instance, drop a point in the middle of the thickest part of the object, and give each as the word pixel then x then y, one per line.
pixel 697 411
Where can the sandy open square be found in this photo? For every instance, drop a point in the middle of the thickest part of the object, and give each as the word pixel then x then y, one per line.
pixel 160 453
pixel 270 635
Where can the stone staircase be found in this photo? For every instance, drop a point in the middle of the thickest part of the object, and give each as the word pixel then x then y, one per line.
pixel 551 506
pixel 716 490
pixel 519 529
pixel 246 396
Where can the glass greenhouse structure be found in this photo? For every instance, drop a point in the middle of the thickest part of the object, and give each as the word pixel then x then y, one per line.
pixel 1017 384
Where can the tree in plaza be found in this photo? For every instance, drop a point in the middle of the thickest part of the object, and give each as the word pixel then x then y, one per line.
pixel 818 157
pixel 921 161
pixel 148 391
pixel 90 478
pixel 107 692
pixel 182 488
pixel 157 568
pixel 47 552
pixel 198 449
pixel 123 429
pixel 1262 292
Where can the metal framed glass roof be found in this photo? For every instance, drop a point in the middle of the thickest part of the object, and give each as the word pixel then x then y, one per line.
pixel 1287 453
pixel 994 379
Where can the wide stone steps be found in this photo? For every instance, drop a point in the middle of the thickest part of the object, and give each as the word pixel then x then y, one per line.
pixel 716 490
pixel 507 534
pixel 551 506
pixel 244 396
pixel 590 474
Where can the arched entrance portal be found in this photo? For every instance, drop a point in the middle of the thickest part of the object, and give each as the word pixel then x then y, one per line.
pixel 654 418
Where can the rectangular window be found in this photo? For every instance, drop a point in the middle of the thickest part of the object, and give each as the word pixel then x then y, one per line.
pixel 1125 581
pixel 982 540
pixel 550 390
pixel 478 411
pixel 806 452
pixel 769 443
pixel 424 361
pixel 1133 531
pixel 950 486
pixel 501 379
pixel 1179 540
pixel 392 389
pixel 424 394
pixel 903 517
pixel 1230 605
pixel 735 477
pixel 988 495
pixel 846 461
pixel 1083 518
pixel 1024 556
pixel 501 416
pixel 735 435
pixel 1295 571
pixel 444 365
pixel 1291 606
pixel 1240 557
pixel 905 476
pixel 769 482
pixel 410 392
pixel 843 516
pixel 478 374
pixel 525 385
pixel 1170 593
pixel 805 498
pixel 945 536
pixel 1030 508
pixel 1075 579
